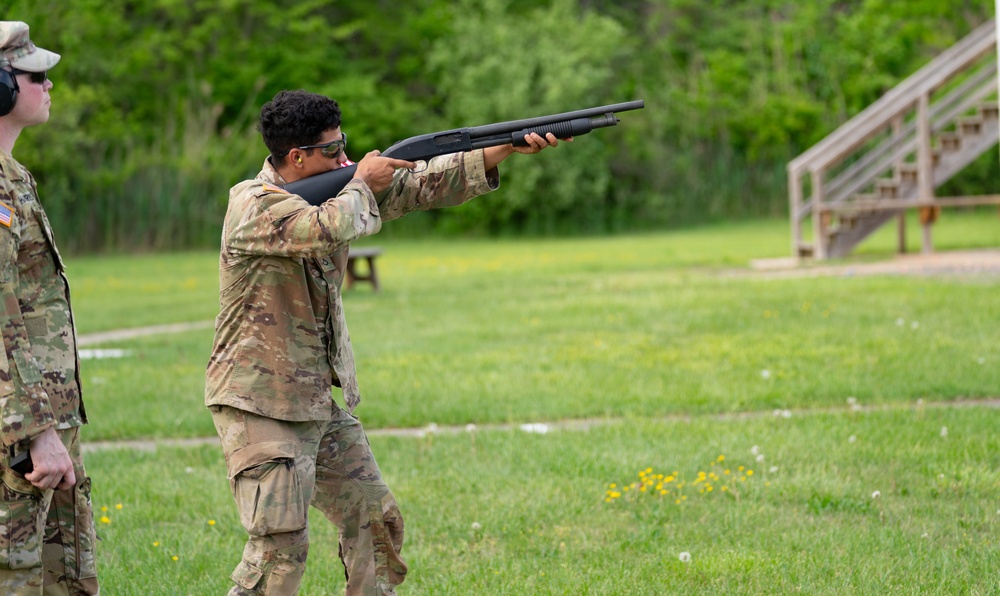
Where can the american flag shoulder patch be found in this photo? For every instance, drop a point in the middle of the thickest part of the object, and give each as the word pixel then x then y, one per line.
pixel 6 214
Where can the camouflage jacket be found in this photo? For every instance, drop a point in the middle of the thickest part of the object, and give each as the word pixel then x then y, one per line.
pixel 39 365
pixel 281 339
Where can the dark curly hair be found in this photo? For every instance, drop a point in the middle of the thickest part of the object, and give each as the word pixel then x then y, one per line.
pixel 296 118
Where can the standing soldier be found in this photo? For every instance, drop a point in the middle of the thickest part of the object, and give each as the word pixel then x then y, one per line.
pixel 281 344
pixel 46 521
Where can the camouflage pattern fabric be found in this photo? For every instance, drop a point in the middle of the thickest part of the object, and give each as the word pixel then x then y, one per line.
pixel 39 388
pixel 281 345
pixel 39 368
pixel 276 469
pixel 47 538
pixel 281 339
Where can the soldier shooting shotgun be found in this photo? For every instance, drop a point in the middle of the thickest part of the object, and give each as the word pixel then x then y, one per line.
pixel 317 189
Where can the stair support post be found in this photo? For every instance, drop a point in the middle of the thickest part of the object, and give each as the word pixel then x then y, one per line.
pixel 819 217
pixel 795 196
pixel 925 168
pixel 897 132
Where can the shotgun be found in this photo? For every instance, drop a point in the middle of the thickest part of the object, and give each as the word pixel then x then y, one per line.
pixel 317 189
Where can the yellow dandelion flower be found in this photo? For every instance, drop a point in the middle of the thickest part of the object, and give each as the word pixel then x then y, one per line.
pixel 677 501
pixel 612 485
pixel 642 488
pixel 105 519
pixel 743 478
pixel 740 468
pixel 156 544
pixel 211 522
pixel 767 484
pixel 721 458
pixel 725 488
pixel 104 507
pixel 626 488
pixel 659 487
pixel 749 472
pixel 649 470
pixel 684 498
pixel 118 506
pixel 175 558
pixel 726 472
pixel 664 492
pixel 608 500
pixel 709 488
pixel 668 479
pixel 642 473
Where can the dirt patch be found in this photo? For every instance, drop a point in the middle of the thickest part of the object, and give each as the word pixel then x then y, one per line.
pixel 967 263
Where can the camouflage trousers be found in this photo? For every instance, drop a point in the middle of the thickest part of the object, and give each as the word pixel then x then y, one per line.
pixel 277 469
pixel 47 537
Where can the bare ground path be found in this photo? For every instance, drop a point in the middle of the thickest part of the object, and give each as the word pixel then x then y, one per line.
pixel 572 425
pixel 967 263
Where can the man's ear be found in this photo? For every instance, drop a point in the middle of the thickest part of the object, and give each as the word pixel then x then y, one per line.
pixel 295 156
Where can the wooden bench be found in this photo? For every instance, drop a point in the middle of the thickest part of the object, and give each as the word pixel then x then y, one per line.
pixel 368 254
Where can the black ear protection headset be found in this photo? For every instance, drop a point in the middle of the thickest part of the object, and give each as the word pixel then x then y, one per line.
pixel 8 91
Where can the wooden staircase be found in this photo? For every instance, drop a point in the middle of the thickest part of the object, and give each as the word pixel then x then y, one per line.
pixel 892 156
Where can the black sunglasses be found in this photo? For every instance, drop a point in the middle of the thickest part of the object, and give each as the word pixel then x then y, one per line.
pixel 329 150
pixel 36 77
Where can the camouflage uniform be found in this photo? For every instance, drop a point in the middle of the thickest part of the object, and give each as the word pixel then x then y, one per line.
pixel 281 344
pixel 39 388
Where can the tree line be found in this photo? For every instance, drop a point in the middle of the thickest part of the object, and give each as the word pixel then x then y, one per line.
pixel 155 101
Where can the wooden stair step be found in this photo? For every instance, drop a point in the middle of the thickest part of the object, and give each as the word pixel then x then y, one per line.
pixel 908 172
pixel 989 111
pixel 887 188
pixel 970 125
pixel 950 141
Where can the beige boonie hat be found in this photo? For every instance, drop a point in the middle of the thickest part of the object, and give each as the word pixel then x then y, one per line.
pixel 16 49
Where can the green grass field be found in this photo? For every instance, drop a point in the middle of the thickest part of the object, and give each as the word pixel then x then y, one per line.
pixel 680 367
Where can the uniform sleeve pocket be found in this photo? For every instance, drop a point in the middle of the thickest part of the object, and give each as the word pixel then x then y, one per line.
pixel 27 368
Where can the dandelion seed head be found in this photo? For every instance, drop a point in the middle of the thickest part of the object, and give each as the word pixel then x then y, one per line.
pixel 851 439
pixel 773 469
pixel 755 450
pixel 876 494
pixel 944 431
pixel 476 526
pixel 765 374
pixel 852 400
pixel 470 428
pixel 914 324
pixel 760 457
pixel 786 413
pixel 900 322
pixel 685 557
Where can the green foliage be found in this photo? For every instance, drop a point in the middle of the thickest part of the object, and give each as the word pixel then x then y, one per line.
pixel 155 101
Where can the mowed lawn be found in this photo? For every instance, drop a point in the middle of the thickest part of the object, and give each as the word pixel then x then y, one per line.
pixel 822 435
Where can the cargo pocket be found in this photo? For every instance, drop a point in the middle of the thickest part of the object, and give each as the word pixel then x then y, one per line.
pixel 246 576
pixel 21 524
pixel 269 497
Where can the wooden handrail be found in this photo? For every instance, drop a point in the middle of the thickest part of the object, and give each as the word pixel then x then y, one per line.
pixel 900 99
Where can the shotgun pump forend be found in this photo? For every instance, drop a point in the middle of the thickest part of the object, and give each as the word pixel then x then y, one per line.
pixel 317 189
